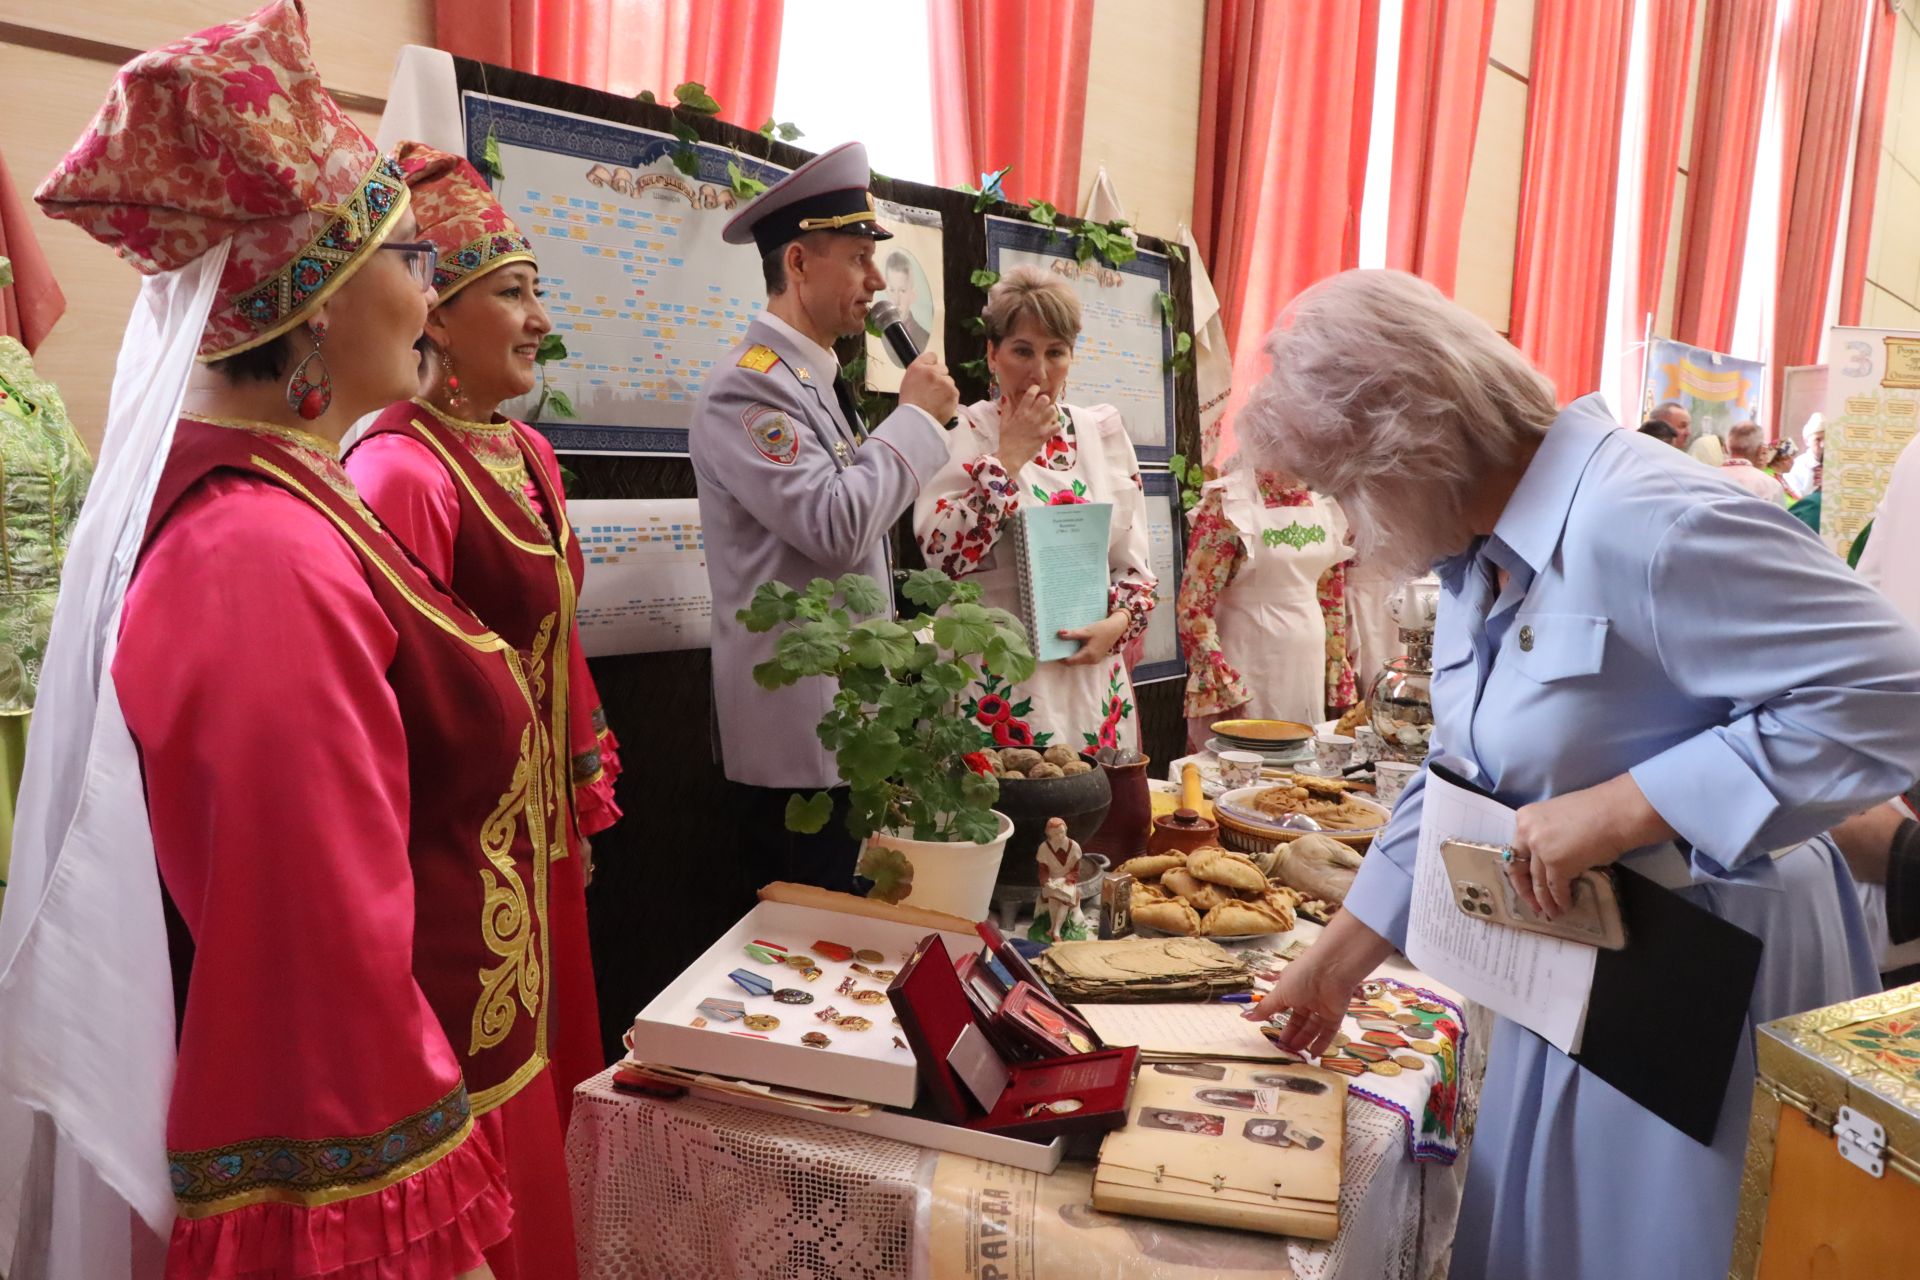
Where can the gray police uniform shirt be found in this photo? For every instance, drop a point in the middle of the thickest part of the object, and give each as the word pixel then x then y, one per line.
pixel 790 492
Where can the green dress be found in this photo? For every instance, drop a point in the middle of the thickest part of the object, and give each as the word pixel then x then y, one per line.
pixel 44 470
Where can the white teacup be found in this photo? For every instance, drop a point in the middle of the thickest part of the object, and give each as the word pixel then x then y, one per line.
pixel 1332 752
pixel 1239 768
pixel 1368 745
pixel 1392 778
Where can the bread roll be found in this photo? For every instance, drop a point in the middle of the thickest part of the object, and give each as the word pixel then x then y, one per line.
pixel 1151 866
pixel 1169 917
pixel 1235 870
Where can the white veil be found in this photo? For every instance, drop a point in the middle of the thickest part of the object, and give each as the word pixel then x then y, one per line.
pixel 86 991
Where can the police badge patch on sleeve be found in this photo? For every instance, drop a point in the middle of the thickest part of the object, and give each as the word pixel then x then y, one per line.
pixel 773 434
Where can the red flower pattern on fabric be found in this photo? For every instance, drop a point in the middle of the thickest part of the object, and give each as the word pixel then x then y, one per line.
pixel 252 89
pixel 993 709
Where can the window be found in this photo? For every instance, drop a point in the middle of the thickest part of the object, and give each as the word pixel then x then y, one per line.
pixel 859 71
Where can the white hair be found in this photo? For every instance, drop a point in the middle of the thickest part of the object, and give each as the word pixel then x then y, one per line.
pixel 1394 401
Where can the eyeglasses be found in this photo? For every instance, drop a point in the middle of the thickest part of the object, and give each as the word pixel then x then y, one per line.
pixel 421 258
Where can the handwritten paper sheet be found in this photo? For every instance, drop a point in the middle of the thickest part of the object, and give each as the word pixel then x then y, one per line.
pixel 1179 1028
pixel 646 586
pixel 1540 982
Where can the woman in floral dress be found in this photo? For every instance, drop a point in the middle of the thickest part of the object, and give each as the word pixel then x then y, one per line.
pixel 1026 447
pixel 1262 613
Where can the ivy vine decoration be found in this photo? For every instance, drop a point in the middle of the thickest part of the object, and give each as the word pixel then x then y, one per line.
pixel 693 99
pixel 1189 476
pixel 786 130
pixel 1107 241
pixel 552 348
pixel 490 155
pixel 894 725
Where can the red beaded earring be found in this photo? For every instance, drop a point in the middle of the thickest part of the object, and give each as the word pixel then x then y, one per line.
pixel 310 395
pixel 455 400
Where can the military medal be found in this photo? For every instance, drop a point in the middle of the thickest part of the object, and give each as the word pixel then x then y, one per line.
pixel 1383 1068
pixel 762 1022
pixel 1408 1062
pixel 834 951
pixel 870 997
pixel 869 957
pixel 1368 1053
pixel 854 1024
pixel 815 1040
pixel 751 983
pixel 792 995
pixel 722 1010
pixel 1425 1046
pixel 1391 1039
pixel 1345 1066
pixel 801 962
pixel 763 955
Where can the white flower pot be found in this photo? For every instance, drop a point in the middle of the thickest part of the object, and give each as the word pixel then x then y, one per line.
pixel 954 876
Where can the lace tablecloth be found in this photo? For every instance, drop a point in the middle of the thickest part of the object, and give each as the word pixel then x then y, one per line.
pixel 693 1188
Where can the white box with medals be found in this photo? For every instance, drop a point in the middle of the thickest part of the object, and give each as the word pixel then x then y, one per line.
pixel 870 1063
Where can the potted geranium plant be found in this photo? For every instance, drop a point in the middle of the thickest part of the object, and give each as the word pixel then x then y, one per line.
pixel 921 794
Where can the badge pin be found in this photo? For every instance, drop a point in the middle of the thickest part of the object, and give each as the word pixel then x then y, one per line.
pixel 815 1040
pixel 762 1022
pixel 792 995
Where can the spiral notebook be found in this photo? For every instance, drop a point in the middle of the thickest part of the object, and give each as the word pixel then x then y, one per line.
pixel 1060 557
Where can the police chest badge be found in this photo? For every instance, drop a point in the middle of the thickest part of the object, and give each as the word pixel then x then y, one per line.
pixel 773 434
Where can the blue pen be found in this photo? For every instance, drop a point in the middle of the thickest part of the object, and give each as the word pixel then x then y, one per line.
pixel 1238 997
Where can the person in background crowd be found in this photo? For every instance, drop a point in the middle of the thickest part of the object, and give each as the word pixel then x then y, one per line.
pixel 1023 447
pixel 335 757
pixel 1262 612
pixel 793 487
pixel 1674 415
pixel 1660 431
pixel 477 497
pixel 1580 675
pixel 44 472
pixel 1708 450
pixel 1747 448
pixel 1803 478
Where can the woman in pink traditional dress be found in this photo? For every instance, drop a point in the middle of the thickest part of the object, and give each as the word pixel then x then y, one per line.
pixel 476 496
pixel 344 771
pixel 1026 447
pixel 1262 614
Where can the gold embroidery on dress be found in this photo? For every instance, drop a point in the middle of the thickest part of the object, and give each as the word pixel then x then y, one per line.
pixel 506 923
pixel 542 548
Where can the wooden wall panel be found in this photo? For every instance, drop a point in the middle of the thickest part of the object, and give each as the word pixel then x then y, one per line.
pixel 1143 107
pixel 1491 226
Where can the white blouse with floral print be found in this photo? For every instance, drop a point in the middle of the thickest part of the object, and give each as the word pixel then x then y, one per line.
pixel 958 520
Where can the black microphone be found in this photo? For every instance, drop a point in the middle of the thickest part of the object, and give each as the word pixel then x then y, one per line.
pixel 893 330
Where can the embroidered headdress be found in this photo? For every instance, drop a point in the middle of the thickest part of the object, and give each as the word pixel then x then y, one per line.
pixel 229 133
pixel 460 216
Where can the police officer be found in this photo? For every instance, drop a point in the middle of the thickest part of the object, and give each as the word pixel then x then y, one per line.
pixel 793 487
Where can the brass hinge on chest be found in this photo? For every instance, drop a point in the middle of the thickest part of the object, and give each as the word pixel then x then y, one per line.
pixel 1861 1140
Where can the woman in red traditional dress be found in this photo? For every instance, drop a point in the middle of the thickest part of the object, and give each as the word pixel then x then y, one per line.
pixel 345 774
pixel 477 497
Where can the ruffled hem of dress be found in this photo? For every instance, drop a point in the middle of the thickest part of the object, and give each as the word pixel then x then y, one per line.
pixel 437 1223
pixel 594 802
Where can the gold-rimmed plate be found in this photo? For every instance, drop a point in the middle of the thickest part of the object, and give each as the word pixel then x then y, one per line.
pixel 1263 734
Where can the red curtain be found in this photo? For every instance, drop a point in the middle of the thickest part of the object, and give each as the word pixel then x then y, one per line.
pixel 1444 47
pixel 1866 160
pixel 623 46
pixel 1010 88
pixel 1736 47
pixel 1669 54
pixel 1286 101
pixel 30 306
pixel 1820 75
pixel 1572 161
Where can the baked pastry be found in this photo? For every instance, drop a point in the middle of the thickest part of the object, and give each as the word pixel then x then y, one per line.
pixel 1173 916
pixel 1144 894
pixel 1151 866
pixel 1235 870
pixel 1281 903
pixel 1236 918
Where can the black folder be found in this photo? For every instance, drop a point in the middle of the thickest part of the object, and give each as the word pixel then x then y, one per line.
pixel 1667 1013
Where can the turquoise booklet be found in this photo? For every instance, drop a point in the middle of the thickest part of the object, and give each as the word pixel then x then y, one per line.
pixel 1060 554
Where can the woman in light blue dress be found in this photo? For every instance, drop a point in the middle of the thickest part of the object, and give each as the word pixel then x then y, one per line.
pixel 1632 653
